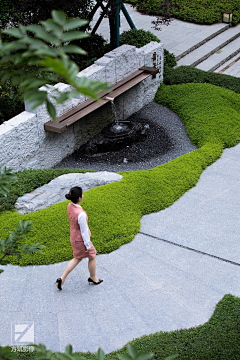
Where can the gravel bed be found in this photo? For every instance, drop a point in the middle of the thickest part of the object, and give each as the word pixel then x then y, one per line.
pixel 166 139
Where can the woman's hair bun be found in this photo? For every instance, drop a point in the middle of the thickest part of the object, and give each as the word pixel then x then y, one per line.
pixel 68 196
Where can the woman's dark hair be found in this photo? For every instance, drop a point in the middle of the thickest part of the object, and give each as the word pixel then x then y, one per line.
pixel 74 194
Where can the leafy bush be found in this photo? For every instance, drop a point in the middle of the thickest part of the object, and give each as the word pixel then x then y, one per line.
pixel 197 11
pixel 29 180
pixel 11 103
pixel 169 61
pixel 189 74
pixel 137 37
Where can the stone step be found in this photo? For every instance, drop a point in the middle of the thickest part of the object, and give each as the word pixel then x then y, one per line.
pixel 220 56
pixel 230 67
pixel 201 42
pixel 210 47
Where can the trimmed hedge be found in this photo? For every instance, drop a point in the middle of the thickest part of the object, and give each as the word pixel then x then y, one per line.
pixel 196 11
pixel 189 74
pixel 29 180
pixel 210 113
pixel 137 37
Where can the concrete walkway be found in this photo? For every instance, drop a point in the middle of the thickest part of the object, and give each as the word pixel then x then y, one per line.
pixel 177 37
pixel 189 42
pixel 186 258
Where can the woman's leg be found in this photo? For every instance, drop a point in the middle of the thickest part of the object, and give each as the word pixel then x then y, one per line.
pixel 70 266
pixel 92 268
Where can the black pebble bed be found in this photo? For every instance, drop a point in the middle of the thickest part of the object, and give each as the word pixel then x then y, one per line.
pixel 166 140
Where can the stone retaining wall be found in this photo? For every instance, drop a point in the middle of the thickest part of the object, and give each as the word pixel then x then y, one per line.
pixel 24 143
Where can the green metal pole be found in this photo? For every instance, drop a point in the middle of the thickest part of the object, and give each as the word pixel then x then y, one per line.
pixel 117 23
pixel 127 16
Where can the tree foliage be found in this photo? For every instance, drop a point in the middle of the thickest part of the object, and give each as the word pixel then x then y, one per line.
pixel 27 12
pixel 47 47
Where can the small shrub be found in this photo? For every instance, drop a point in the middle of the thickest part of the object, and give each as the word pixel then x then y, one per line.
pixel 189 74
pixel 169 60
pixel 137 37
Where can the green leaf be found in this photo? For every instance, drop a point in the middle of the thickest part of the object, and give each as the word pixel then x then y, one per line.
pixel 171 357
pixel 37 29
pixel 132 351
pixel 1 271
pixel 68 349
pixel 46 52
pixel 51 110
pixel 59 17
pixel 73 49
pixel 124 357
pixel 13 32
pixel 100 354
pixel 73 35
pixel 74 23
pixel 50 25
pixel 144 356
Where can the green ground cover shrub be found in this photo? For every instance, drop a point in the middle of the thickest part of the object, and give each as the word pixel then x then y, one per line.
pixel 114 210
pixel 197 11
pixel 212 119
pixel 210 113
pixel 29 180
pixel 217 339
pixel 189 74
pixel 137 37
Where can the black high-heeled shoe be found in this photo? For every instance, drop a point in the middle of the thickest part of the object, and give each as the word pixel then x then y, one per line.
pixel 59 283
pixel 94 282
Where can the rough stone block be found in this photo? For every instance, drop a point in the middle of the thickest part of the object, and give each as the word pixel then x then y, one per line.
pixel 133 100
pixel 94 72
pixel 110 68
pixel 140 57
pixel 153 54
pixel 126 60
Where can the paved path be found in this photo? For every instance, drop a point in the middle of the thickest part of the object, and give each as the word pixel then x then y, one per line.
pixel 177 37
pixel 153 283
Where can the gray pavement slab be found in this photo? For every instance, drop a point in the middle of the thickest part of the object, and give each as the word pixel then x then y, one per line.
pixel 219 56
pixel 149 284
pixel 173 36
pixel 209 46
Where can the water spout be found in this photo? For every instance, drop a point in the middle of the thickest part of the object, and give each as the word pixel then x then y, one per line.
pixel 117 126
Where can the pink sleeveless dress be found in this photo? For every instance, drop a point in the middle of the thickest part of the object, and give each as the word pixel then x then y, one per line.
pixel 79 249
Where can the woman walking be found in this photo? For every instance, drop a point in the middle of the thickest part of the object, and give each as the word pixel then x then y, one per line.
pixel 79 237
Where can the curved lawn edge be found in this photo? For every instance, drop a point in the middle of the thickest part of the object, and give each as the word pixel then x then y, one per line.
pixel 212 118
pixel 217 339
pixel 114 210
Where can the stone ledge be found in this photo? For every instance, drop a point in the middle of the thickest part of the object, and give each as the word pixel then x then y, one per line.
pixel 55 191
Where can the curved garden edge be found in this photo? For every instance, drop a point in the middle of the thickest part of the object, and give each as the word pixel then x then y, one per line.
pixel 115 210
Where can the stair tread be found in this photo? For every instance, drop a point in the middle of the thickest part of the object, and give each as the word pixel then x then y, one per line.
pixel 209 46
pixel 217 57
